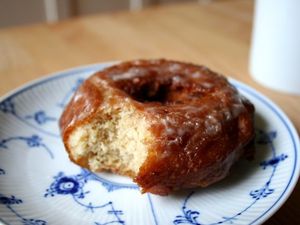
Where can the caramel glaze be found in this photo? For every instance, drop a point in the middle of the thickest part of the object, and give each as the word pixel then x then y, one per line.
pixel 201 123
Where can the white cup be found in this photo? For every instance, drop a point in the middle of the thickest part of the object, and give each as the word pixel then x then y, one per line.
pixel 275 50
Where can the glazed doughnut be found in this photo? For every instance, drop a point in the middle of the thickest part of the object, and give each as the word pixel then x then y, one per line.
pixel 169 125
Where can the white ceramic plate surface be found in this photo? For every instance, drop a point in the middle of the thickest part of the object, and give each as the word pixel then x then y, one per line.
pixel 39 185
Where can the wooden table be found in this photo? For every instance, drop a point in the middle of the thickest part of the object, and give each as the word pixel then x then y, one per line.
pixel 216 34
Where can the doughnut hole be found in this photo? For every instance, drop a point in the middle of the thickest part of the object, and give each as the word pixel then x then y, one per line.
pixel 148 89
pixel 161 90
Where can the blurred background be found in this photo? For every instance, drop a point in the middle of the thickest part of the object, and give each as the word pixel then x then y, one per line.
pixel 16 12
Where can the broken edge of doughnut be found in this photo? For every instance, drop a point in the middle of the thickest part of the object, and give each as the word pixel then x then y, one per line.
pixel 117 140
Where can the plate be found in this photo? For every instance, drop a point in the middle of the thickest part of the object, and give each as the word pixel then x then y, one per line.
pixel 39 185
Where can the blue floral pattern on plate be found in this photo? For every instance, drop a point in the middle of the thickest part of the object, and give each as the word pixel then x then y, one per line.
pixel 8 106
pixel 74 187
pixel 189 216
pixel 33 141
pixel 40 117
pixel 10 201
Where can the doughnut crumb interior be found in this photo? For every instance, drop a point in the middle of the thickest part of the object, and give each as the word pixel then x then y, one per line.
pixel 168 125
pixel 116 140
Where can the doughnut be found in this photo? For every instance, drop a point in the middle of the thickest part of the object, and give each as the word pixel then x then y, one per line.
pixel 168 125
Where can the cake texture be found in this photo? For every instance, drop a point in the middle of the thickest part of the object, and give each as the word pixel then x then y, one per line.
pixel 169 125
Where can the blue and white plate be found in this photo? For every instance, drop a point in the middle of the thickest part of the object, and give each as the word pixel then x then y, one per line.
pixel 39 185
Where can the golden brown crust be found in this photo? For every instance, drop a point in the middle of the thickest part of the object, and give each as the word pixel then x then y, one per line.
pixel 81 108
pixel 200 121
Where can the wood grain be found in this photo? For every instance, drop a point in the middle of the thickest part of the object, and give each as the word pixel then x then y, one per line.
pixel 216 34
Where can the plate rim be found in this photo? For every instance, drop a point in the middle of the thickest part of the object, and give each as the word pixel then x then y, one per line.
pixel 296 145
pixel 240 85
